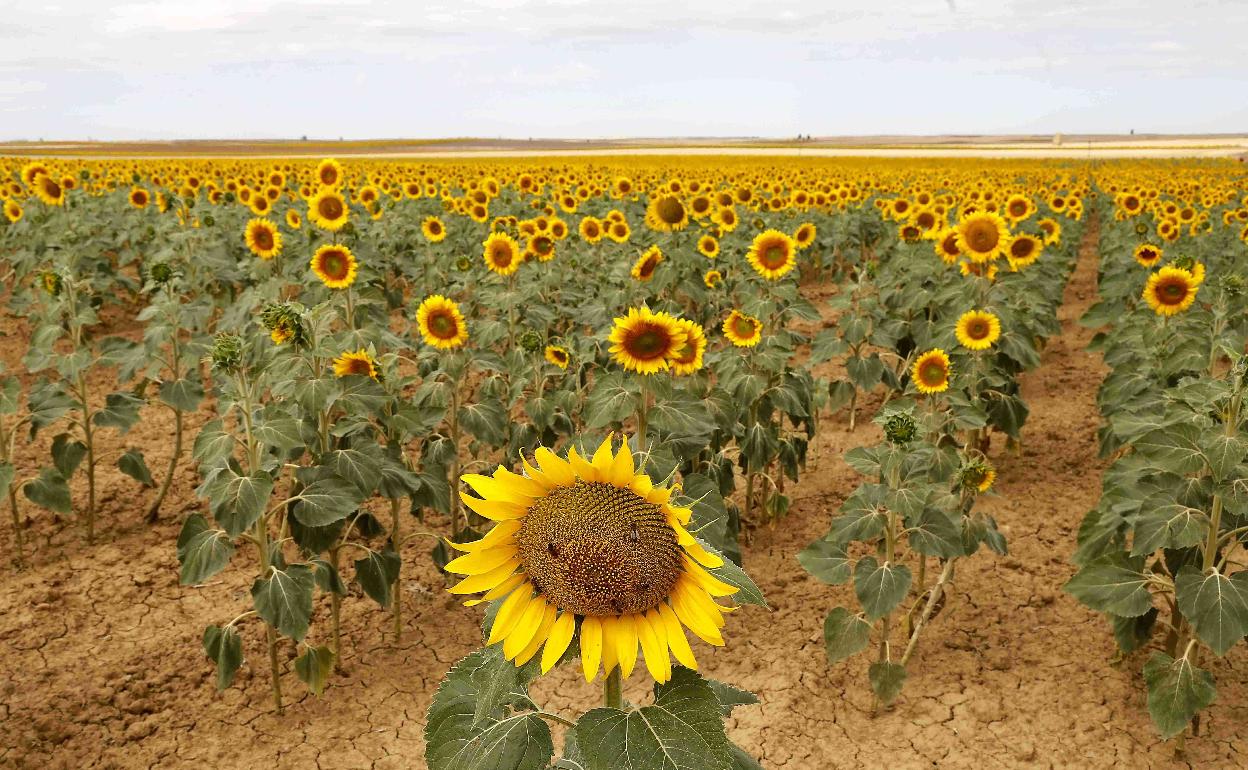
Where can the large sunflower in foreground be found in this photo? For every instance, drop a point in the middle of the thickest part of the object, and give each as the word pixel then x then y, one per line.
pixel 440 322
pixel 335 265
pixel 982 236
pixel 978 330
pixel 1170 290
pixel 328 210
pixel 931 372
pixel 595 544
pixel 263 238
pixel 743 330
pixel 501 253
pixel 772 254
pixel 646 342
pixel 49 190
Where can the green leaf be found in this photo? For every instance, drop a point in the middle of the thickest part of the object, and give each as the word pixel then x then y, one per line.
pixel 1133 633
pixel 826 560
pixel 184 395
pixel 933 533
pixel 121 411
pixel 886 680
pixel 202 551
pixel 1112 584
pixel 862 515
pixel 1164 523
pixel 327 578
pixel 730 697
pixel 284 599
pixel 731 574
pixel 47 404
pixel 683 730
pixel 611 400
pixel 49 491
pixel 1175 449
pixel 1224 453
pixel 1177 690
pixel 237 502
pixel 133 465
pixel 845 634
pixel 362 470
pixel 325 501
pixel 499 682
pixel 880 587
pixel 212 444
pixel 1215 605
pixel 376 573
pixel 313 667
pixel 225 649
pixel 281 433
pixel 67 455
pixel 10 395
pixel 486 420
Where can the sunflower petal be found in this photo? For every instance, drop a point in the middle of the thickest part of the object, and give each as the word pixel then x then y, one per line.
pixel 481 562
pixel 497 510
pixel 485 581
pixel 520 484
pixel 500 533
pixel 556 468
pixel 513 607
pixel 603 459
pixel 591 646
pixel 549 616
pixel 692 546
pixel 502 589
pixel 526 628
pixel 657 661
pixel 610 652
pixel 626 643
pixel 497 489
pixel 713 585
pixel 676 639
pixel 581 467
pixel 558 641
pixel 532 472
pixel 622 467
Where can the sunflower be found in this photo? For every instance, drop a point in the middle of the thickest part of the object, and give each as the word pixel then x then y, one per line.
pixel 726 218
pixel 293 220
pixel 772 254
pixel 1051 229
pixel 358 363
pixel 595 541
pixel 804 235
pixel 708 246
pixel 440 322
pixel 666 213
pixel 501 253
pixel 12 211
pixel 49 190
pixel 1019 207
pixel 328 210
pixel 263 238
pixel 139 198
pixel 712 278
pixel 335 265
pixel 260 205
pixel 591 230
pixel 646 342
pixel 558 356
pixel 646 264
pixel 433 229
pixel 32 171
pixel 979 476
pixel 329 173
pixel 542 247
pixel 931 372
pixel 1147 254
pixel 689 359
pixel 743 330
pixel 1170 291
pixel 1023 250
pixel 978 330
pixel 947 246
pixel 982 236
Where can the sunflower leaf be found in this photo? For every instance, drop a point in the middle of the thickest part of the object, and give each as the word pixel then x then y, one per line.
pixel 1177 690
pixel 731 574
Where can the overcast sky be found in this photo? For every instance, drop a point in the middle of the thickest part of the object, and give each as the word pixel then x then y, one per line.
pixel 575 68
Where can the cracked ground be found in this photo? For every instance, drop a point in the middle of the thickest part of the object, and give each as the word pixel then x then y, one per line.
pixel 101 663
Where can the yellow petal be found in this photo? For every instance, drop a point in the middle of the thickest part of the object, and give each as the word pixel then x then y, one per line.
pixel 494 489
pixel 626 643
pixel 513 607
pixel 497 510
pixel 682 514
pixel 676 639
pixel 549 616
pixel 558 641
pixel 481 562
pixel 655 652
pixel 526 628
pixel 534 473
pixel 660 495
pixel 591 646
pixel 500 533
pixel 603 459
pixel 701 626
pixel 556 468
pixel 525 486
pixel 580 467
pixel 622 468
pixel 711 584
pixel 692 593
pixel 642 485
pixel 485 581
pixel 692 546
pixel 502 589
pixel 610 656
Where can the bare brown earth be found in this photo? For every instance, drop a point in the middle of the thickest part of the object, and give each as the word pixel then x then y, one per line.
pixel 101 664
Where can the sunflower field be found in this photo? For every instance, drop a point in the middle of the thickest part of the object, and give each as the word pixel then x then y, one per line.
pixel 571 393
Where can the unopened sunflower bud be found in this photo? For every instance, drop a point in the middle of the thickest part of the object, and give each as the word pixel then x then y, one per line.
pixel 1141 228
pixel 285 324
pixel 160 273
pixel 227 353
pixel 463 264
pixel 900 428
pixel 530 341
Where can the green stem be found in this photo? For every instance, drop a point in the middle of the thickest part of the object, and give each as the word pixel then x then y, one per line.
pixel 335 612
pixel 454 475
pixel 396 542
pixel 17 524
pixel 154 511
pixel 643 413
pixel 613 690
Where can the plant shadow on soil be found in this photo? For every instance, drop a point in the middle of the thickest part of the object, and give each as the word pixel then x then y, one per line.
pixel 102 664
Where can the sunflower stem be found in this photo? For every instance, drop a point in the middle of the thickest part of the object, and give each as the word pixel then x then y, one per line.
pixel 613 690
pixel 396 542
pixel 643 412
pixel 454 480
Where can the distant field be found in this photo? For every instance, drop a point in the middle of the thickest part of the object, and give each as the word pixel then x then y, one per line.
pixel 1074 146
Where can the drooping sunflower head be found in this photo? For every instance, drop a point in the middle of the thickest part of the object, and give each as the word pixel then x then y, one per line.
pixel 689 359
pixel 1023 250
pixel 1147 254
pixel 328 210
pixel 666 213
pixel 593 541
pixel 978 330
pixel 501 253
pixel 139 198
pixel 712 278
pixel 982 236
pixel 646 264
pixel 931 372
pixel 772 254
pixel 433 229
pixel 359 363
pixel 263 238
pixel 441 323
pixel 1170 291
pixel 558 356
pixel 335 265
pixel 978 475
pixel 805 234
pixel 744 331
pixel 329 173
pixel 646 342
pixel 947 246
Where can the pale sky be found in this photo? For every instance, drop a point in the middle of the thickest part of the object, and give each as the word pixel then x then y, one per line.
pixel 163 69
